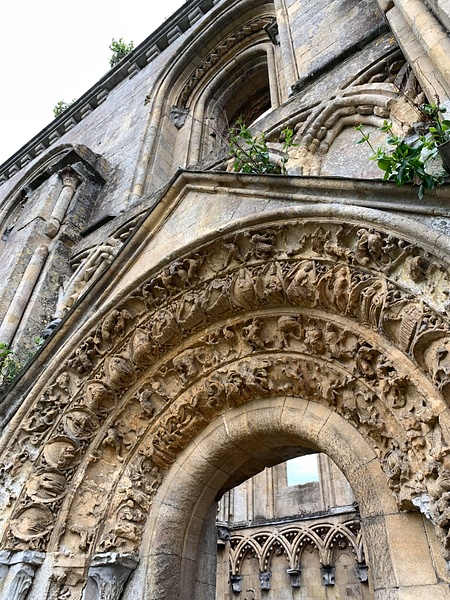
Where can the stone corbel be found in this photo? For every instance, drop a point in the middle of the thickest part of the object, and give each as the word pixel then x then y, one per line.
pixel 108 574
pixel 236 583
pixel 264 579
pixel 294 575
pixel 272 32
pixel 223 536
pixel 362 571
pixel 178 116
pixel 17 570
pixel 328 574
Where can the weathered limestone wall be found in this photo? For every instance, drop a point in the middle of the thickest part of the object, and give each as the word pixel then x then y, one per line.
pixel 215 323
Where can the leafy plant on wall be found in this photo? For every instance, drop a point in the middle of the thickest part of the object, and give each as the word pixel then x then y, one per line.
pixel 119 50
pixel 419 158
pixel 251 154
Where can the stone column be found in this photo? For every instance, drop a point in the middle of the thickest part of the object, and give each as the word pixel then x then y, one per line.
pixel 288 58
pixel 70 182
pixel 22 295
pixel 108 574
pixel 17 573
pixel 424 42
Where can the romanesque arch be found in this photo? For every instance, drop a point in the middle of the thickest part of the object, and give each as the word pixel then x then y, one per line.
pixel 336 312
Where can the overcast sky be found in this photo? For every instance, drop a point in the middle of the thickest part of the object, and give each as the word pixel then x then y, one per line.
pixel 55 50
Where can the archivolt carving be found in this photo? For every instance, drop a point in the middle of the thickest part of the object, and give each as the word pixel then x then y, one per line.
pixel 329 312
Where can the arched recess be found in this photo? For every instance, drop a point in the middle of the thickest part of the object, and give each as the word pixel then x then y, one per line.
pixel 195 97
pixel 344 309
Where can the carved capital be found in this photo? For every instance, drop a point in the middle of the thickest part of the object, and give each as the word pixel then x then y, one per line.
pixel 69 178
pixel 108 574
pixel 18 573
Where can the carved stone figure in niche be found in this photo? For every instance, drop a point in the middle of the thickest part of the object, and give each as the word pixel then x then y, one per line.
pixel 366 361
pixel 270 285
pixel 243 293
pixel 303 286
pixel 334 288
pixel 120 372
pixel 99 398
pixel 62 453
pixel 339 343
pixel 369 246
pixel 393 387
pixel 397 469
pixel 116 441
pixel 32 522
pixel 314 338
pixel 417 267
pixel 153 397
pixel 180 274
pixel 114 325
pixel 190 313
pixel 82 361
pixel 337 247
pixel 165 329
pixel 253 334
pixel 46 486
pixel 186 365
pixel 80 424
pixel 216 301
pixel 291 330
pixel 261 245
pixel 154 292
pixel 144 349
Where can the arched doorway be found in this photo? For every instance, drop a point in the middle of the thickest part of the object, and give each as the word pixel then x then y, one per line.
pixel 236 445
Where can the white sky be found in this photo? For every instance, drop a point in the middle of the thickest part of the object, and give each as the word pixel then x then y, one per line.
pixel 55 50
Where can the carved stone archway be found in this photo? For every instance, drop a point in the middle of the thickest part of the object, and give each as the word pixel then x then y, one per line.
pixel 241 441
pixel 344 309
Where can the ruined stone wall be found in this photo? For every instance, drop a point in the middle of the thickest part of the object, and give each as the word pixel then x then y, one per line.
pixel 212 324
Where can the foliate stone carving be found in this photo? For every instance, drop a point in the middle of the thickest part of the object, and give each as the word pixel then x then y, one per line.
pixel 19 571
